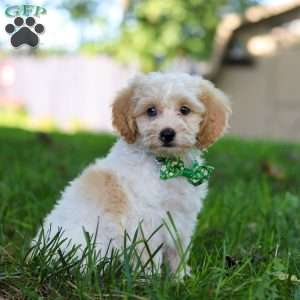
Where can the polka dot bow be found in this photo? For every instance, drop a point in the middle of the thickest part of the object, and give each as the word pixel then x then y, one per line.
pixel 174 167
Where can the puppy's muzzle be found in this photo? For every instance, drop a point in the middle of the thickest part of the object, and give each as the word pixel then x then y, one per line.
pixel 167 136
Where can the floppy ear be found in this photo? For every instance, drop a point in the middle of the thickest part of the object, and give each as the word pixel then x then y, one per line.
pixel 217 112
pixel 122 115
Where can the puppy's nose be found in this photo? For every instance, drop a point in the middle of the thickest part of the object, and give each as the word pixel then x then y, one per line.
pixel 167 135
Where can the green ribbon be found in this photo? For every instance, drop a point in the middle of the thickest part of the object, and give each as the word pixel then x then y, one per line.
pixel 172 167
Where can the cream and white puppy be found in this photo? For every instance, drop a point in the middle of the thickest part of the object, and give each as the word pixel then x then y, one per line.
pixel 159 114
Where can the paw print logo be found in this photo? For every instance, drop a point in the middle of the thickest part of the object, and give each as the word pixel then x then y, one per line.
pixel 22 34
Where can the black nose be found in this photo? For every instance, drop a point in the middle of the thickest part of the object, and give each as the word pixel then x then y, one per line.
pixel 167 135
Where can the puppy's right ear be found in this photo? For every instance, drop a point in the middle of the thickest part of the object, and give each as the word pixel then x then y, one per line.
pixel 122 115
pixel 216 116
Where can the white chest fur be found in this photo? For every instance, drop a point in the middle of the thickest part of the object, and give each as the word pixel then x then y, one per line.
pixel 148 200
pixel 150 197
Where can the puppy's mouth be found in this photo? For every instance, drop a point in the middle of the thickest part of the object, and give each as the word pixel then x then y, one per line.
pixel 168 149
pixel 168 145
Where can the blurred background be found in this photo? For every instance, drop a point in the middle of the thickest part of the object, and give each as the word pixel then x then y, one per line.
pixel 248 48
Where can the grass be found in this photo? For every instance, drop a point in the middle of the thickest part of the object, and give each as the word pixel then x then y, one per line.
pixel 246 244
pixel 18 117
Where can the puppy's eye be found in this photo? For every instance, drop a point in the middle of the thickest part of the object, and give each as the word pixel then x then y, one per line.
pixel 152 111
pixel 185 110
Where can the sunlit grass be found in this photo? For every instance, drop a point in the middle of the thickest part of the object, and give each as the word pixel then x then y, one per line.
pixel 17 117
pixel 246 244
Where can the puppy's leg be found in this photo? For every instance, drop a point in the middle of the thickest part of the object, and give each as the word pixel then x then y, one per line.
pixel 148 246
pixel 177 263
pixel 176 252
pixel 95 200
pixel 151 260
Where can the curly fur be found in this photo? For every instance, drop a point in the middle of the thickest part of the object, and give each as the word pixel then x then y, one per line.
pixel 124 189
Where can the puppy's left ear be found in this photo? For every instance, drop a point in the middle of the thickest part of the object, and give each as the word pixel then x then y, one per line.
pixel 122 115
pixel 217 112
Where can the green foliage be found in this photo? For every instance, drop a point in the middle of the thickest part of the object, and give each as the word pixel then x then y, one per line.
pixel 154 32
pixel 246 244
pixel 80 9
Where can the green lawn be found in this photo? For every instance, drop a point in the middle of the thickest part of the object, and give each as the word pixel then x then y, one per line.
pixel 246 246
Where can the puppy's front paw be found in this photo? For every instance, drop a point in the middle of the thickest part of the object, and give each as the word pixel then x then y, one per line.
pixel 183 272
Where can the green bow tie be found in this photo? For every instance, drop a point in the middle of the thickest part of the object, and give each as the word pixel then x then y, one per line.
pixel 173 167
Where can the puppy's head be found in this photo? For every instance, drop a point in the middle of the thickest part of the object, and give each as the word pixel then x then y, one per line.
pixel 171 113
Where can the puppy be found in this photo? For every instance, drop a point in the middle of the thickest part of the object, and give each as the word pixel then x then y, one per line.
pixel 158 116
